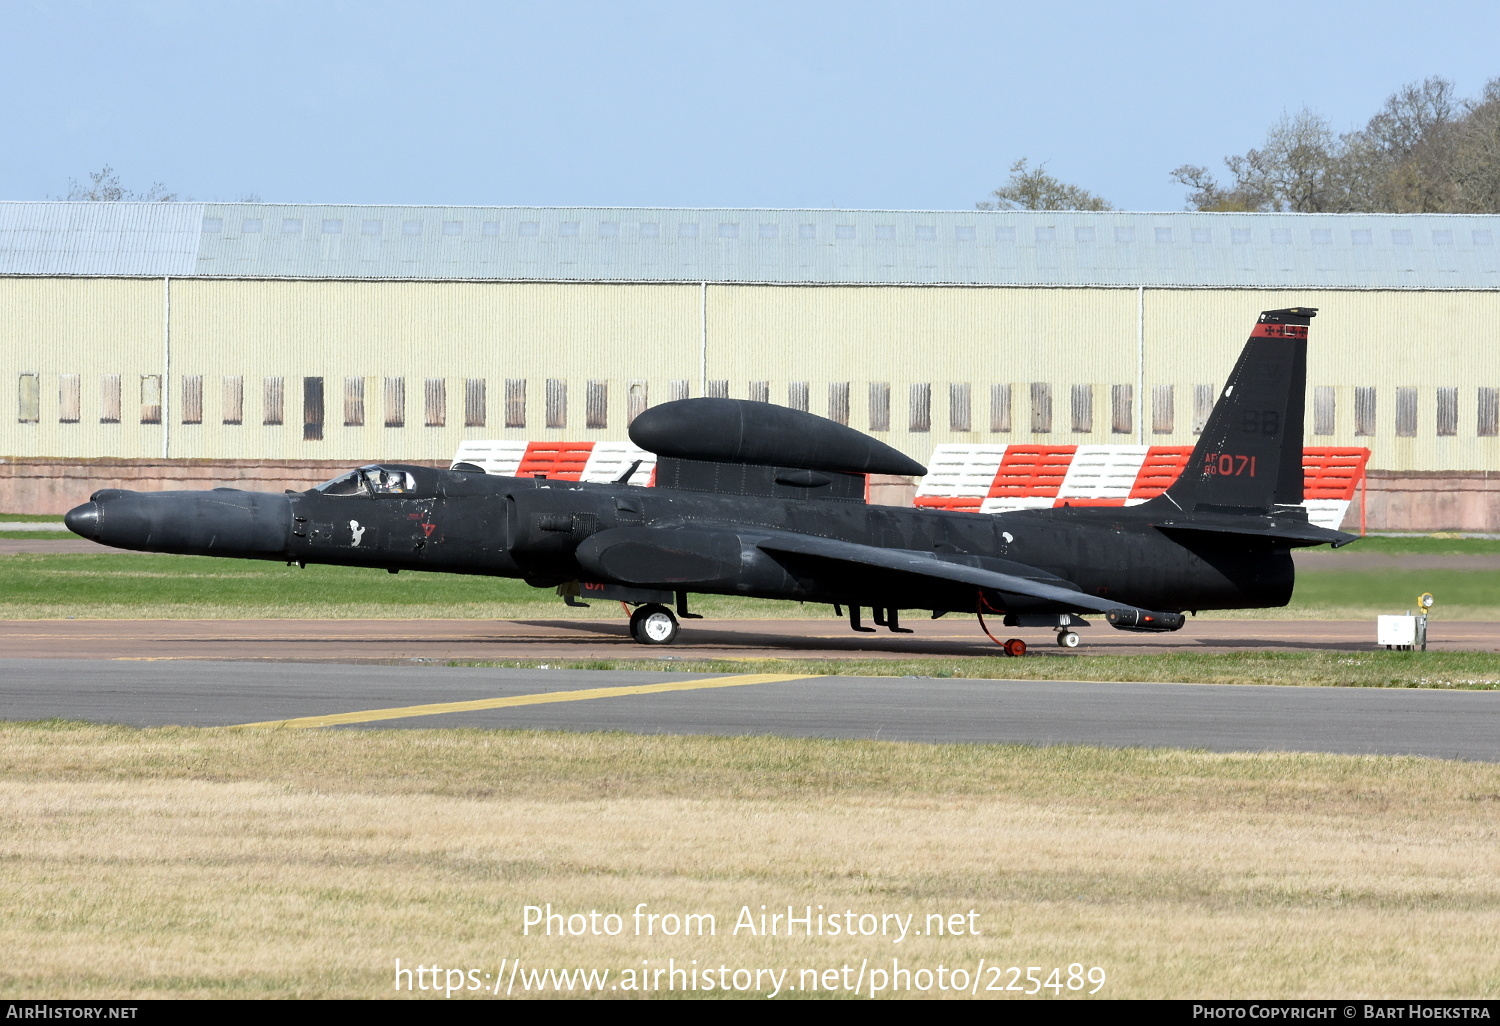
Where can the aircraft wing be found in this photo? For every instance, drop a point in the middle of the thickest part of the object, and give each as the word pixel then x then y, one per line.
pixel 925 564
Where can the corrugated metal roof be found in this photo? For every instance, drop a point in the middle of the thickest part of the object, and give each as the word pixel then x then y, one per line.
pixel 1380 251
pixel 100 238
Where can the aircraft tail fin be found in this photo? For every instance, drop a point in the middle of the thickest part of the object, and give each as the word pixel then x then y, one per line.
pixel 1249 457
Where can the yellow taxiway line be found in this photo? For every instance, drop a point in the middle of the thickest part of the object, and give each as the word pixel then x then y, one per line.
pixel 403 712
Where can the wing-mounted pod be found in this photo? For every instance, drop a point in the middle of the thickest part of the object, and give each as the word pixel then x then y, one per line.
pixel 742 447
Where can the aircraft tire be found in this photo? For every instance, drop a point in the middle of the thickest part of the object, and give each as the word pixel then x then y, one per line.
pixel 1068 639
pixel 653 624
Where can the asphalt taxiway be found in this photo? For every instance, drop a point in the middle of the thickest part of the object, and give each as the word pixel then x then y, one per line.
pixel 1442 724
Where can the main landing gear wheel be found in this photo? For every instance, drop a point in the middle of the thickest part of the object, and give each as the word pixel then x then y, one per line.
pixel 1068 639
pixel 1014 647
pixel 653 625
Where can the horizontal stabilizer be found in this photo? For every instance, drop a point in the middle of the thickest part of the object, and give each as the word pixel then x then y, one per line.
pixel 1293 532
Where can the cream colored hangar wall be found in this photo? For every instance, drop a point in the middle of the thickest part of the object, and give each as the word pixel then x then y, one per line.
pixel 72 354
pixel 1412 376
pixel 409 351
pixel 939 354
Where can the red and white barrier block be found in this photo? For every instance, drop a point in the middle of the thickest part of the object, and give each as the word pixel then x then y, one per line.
pixel 598 462
pixel 1002 478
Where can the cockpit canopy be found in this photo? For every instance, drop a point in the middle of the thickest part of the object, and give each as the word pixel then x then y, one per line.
pixel 371 480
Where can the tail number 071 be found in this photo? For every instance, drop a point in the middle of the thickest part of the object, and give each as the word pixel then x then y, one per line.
pixel 1223 464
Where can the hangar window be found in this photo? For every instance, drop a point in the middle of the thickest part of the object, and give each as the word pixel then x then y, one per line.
pixel 453 227
pixel 1046 234
pixel 1005 235
pixel 333 226
pixel 474 402
pixel 1203 405
pixel 769 231
pixel 1324 410
pixel 109 399
pixel 1281 236
pixel 596 404
pixel 250 226
pixel 1121 409
pixel 557 403
pixel 1000 420
pixel 354 402
pixel 1361 236
pixel 964 232
pixel 1442 237
pixel 885 231
pixel 395 402
pixel 1083 409
pixel 843 231
pixel 1364 411
pixel 491 228
pixel 920 401
pixel 760 392
pixel 213 224
pixel 1447 411
pixel 515 402
pixel 1163 409
pixel 880 406
pixel 717 388
pixel 678 389
pixel 960 415
pixel 312 409
pixel 609 229
pixel 435 402
pixel 413 228
pixel 1401 236
pixel 29 399
pixel 1483 238
pixel 687 230
pixel 1203 235
pixel 232 392
pixel 926 231
pixel 1124 236
pixel 1083 235
pixel 150 399
pixel 650 230
pixel 838 402
pixel 729 231
pixel 69 398
pixel 370 227
pixel 1406 412
pixel 192 399
pixel 1322 237
pixel 797 395
pixel 291 226
pixel 1239 236
pixel 637 399
pixel 807 231
pixel 1041 408
pixel 1489 412
pixel 1163 236
pixel 567 228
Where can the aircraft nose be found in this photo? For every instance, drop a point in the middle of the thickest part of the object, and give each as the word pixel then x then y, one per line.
pixel 83 520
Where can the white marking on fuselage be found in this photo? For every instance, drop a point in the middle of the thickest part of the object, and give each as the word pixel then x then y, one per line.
pixel 1007 536
pixel 357 531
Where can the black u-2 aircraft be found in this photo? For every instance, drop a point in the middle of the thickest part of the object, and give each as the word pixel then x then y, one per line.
pixel 768 502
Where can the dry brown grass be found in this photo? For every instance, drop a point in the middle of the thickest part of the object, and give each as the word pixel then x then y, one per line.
pixel 181 862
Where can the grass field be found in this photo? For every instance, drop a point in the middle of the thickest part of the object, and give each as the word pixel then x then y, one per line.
pixel 204 863
pixel 46 586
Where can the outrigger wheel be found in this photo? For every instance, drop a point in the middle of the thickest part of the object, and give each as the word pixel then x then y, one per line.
pixel 1068 639
pixel 1014 647
pixel 653 624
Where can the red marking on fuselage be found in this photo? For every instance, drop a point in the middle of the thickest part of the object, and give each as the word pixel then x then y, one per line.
pixel 427 530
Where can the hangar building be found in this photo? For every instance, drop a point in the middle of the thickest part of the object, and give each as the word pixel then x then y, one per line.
pixel 265 345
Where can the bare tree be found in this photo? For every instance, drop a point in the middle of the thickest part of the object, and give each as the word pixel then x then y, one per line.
pixel 1038 190
pixel 104 187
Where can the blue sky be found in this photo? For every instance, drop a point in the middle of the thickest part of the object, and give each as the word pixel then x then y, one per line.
pixel 811 104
